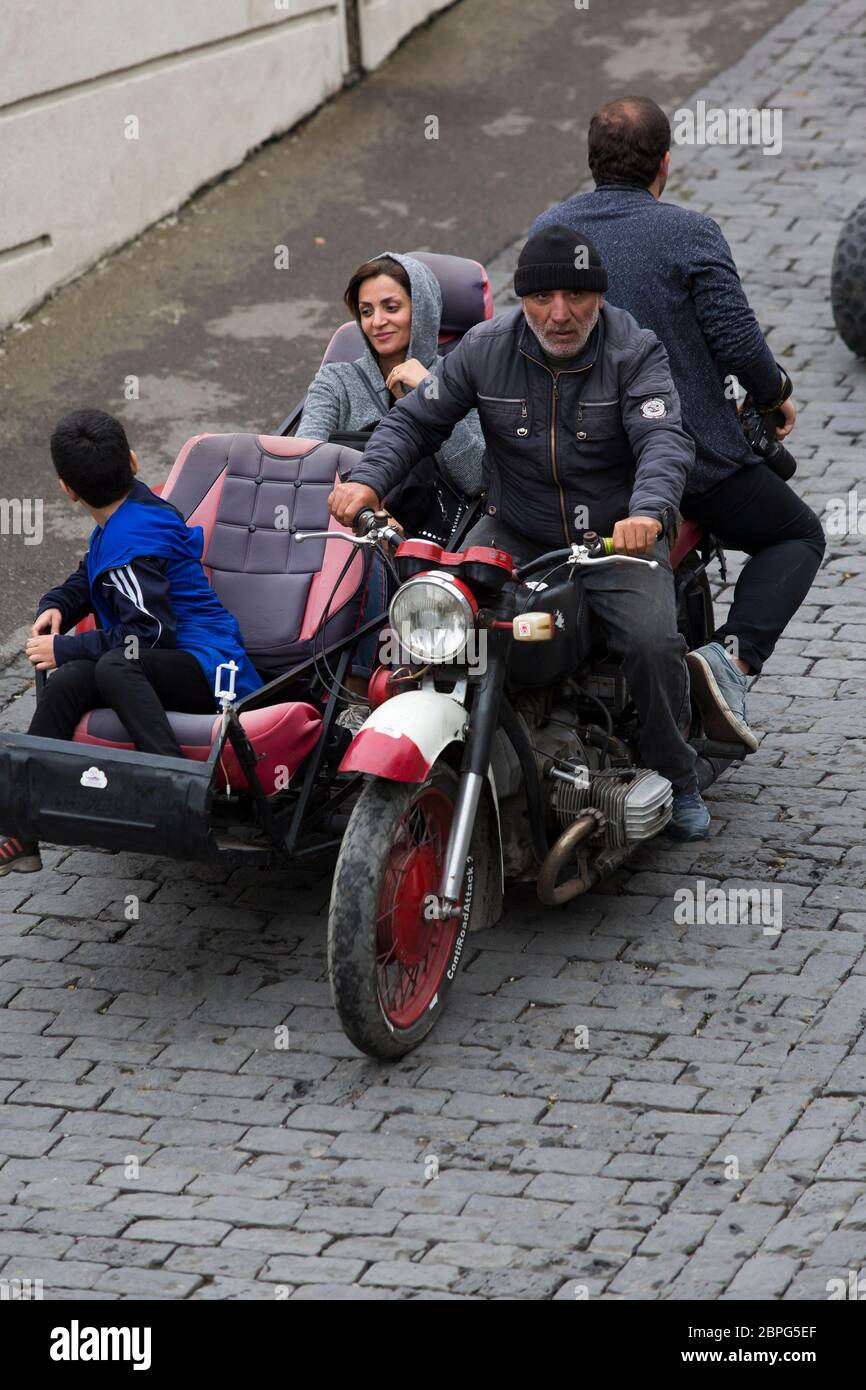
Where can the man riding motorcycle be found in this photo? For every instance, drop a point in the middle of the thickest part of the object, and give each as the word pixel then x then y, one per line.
pixel 582 425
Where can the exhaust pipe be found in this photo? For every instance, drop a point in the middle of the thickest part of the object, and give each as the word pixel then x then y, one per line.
pixel 551 893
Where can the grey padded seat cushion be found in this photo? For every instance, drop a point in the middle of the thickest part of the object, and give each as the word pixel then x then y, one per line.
pixel 264 501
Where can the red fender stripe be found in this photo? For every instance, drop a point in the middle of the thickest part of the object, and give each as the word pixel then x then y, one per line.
pixel 397 759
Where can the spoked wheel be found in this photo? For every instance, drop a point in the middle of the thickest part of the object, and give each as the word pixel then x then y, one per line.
pixel 390 962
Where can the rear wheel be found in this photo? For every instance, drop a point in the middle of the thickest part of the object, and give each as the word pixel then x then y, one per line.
pixel 390 964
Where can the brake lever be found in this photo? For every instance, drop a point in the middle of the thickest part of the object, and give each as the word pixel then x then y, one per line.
pixel 581 556
pixel 333 535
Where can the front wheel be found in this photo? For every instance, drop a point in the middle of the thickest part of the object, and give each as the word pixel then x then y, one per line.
pixel 390 964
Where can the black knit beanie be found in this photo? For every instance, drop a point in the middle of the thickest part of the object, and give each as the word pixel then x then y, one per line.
pixel 559 258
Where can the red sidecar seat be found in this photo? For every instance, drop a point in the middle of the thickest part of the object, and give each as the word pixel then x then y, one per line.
pixel 467 299
pixel 250 494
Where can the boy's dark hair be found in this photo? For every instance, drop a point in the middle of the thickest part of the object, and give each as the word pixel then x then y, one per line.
pixel 628 139
pixel 382 265
pixel 90 452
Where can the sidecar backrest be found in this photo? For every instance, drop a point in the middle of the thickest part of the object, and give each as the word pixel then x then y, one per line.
pixel 250 493
pixel 466 300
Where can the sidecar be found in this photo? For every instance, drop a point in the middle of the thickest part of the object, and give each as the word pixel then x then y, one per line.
pixel 260 774
pixel 263 775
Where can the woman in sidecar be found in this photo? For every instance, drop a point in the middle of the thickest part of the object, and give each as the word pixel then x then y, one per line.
pixel 396 302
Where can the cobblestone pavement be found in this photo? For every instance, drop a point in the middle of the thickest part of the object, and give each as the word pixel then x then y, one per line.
pixel 709 1142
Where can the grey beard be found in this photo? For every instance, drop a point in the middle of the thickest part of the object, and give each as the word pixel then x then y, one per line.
pixel 553 345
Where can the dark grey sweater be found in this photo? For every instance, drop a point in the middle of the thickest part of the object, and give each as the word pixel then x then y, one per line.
pixel 672 269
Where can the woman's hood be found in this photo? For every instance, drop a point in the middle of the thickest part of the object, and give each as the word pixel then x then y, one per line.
pixel 426 311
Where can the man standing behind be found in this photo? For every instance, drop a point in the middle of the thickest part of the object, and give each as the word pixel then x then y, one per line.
pixel 672 269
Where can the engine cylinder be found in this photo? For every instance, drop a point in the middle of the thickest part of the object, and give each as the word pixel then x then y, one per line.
pixel 634 810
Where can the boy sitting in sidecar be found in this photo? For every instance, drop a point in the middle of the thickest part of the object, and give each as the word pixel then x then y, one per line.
pixel 162 633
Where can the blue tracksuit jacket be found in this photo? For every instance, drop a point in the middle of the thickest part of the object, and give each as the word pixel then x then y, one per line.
pixel 143 576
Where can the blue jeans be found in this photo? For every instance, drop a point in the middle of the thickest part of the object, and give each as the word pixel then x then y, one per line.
pixel 380 589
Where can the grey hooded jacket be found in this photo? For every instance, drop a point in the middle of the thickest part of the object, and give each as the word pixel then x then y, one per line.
pixel 353 395
pixel 567 453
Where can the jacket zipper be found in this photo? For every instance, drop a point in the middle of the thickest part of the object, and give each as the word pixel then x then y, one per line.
pixel 553 459
pixel 555 398
pixel 507 400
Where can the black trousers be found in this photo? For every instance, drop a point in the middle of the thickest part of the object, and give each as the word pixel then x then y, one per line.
pixel 138 691
pixel 754 511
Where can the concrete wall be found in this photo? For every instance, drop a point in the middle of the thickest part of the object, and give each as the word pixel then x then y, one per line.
pixel 112 112
pixel 384 23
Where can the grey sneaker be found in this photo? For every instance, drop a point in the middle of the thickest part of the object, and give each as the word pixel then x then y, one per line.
pixel 690 819
pixel 720 694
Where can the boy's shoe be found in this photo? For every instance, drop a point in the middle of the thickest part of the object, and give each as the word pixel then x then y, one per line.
pixel 690 819
pixel 719 688
pixel 18 856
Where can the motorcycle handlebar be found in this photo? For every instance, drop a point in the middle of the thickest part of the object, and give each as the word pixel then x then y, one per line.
pixel 367 520
pixel 597 547
pixel 368 526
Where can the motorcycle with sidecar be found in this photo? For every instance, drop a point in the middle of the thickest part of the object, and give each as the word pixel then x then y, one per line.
pixel 467 775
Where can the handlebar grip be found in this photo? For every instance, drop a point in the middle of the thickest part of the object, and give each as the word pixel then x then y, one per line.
pixel 598 545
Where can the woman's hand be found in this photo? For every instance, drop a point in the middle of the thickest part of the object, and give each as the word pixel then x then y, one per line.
pixel 405 376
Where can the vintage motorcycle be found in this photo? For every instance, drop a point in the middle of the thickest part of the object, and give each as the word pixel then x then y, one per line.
pixel 501 746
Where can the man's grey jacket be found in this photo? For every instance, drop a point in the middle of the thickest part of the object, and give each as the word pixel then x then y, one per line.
pixel 567 452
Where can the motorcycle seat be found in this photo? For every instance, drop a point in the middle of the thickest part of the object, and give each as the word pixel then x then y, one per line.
pixel 281 736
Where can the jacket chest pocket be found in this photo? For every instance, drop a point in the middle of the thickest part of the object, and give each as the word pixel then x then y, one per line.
pixel 504 416
pixel 597 420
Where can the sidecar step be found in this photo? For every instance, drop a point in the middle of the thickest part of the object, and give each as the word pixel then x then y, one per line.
pixel 111 798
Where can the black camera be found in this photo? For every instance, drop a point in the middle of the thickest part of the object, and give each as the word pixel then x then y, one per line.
pixel 760 432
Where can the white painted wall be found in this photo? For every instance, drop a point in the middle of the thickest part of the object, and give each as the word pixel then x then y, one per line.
pixel 205 80
pixel 384 23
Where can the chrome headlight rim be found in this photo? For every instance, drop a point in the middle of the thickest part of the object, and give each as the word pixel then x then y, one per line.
pixel 455 589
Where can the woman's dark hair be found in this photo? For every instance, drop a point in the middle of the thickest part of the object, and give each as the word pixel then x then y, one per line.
pixel 90 452
pixel 382 265
pixel 628 140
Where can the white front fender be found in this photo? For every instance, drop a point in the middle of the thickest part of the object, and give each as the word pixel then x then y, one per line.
pixel 402 739
pixel 405 736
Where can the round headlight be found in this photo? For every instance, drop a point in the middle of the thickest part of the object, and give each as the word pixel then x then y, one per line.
pixel 432 617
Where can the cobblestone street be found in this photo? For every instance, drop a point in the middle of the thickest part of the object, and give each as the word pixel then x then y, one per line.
pixel 709 1142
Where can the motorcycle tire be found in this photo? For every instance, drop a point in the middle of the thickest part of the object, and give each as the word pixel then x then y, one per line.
pixel 390 967
pixel 848 282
